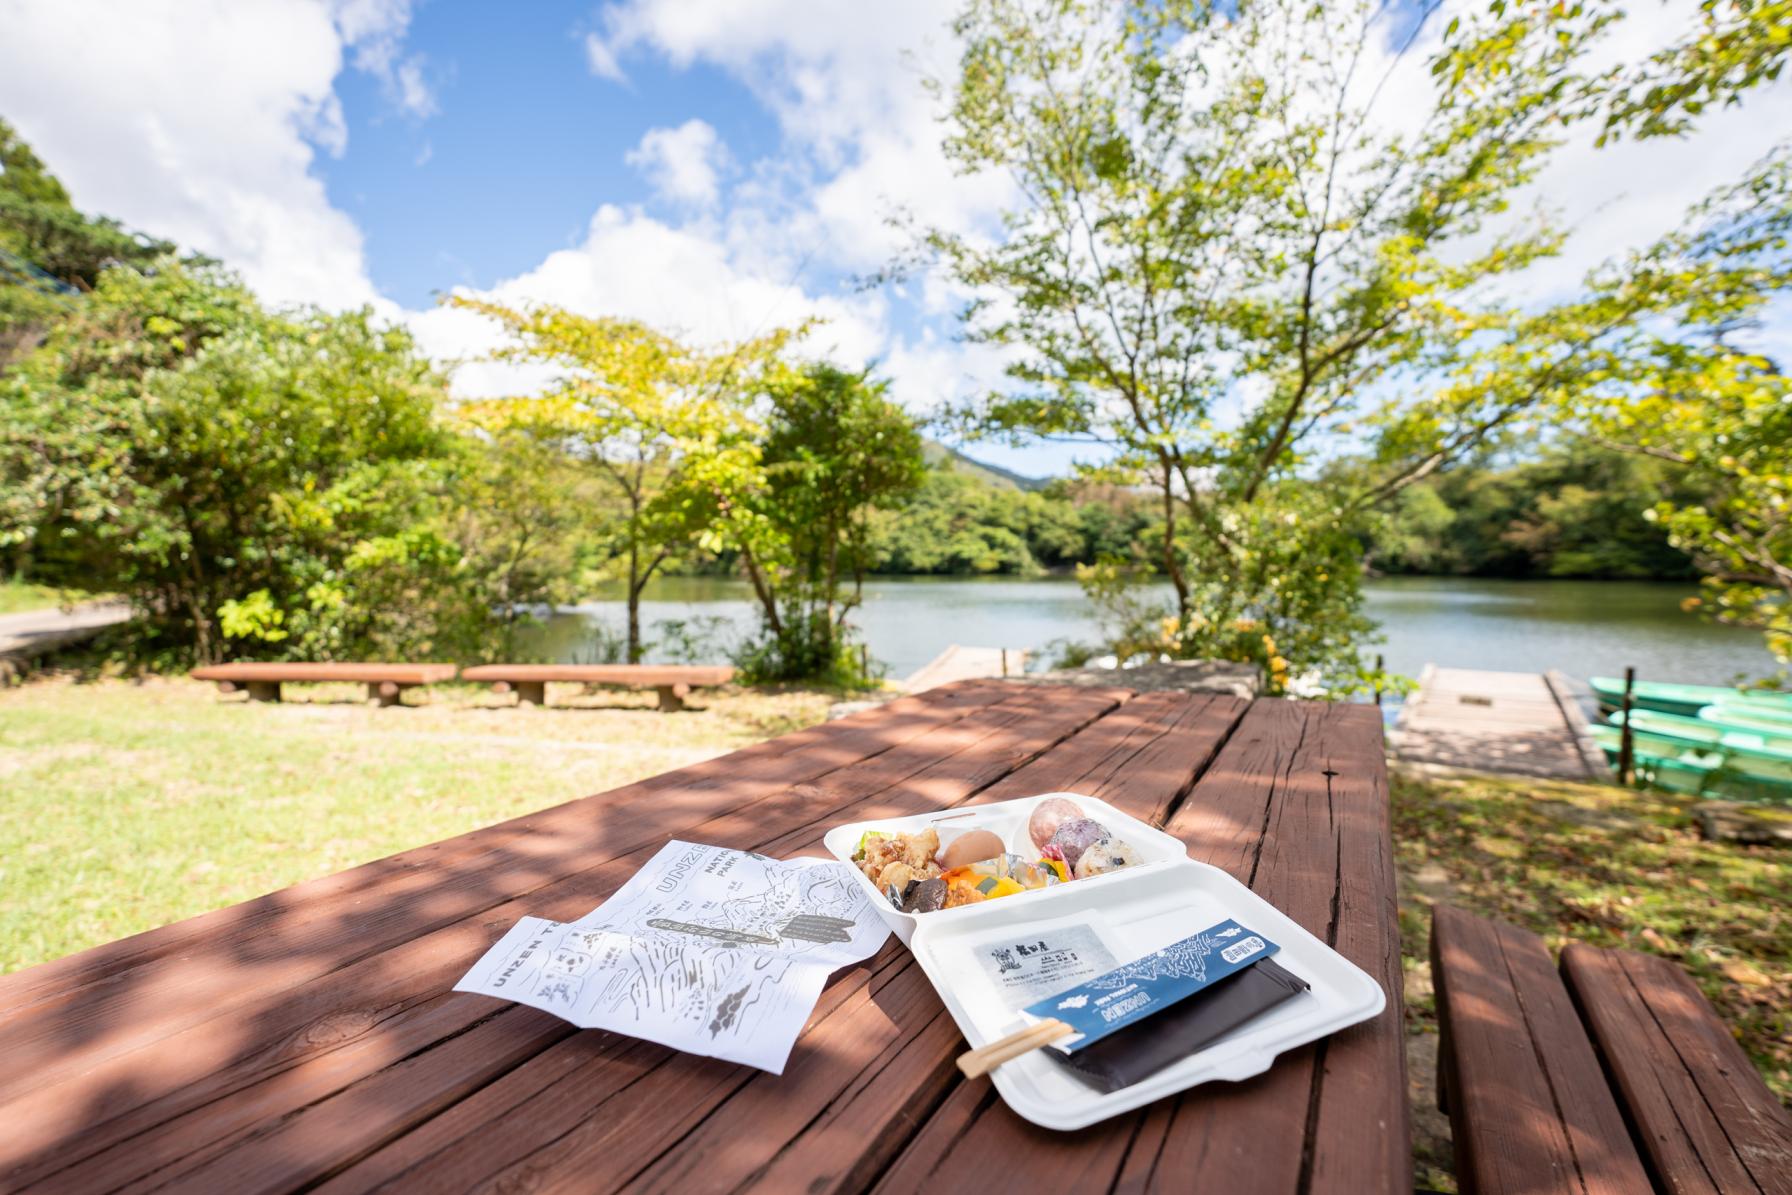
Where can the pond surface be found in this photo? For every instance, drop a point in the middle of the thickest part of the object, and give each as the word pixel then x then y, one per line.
pixel 1585 628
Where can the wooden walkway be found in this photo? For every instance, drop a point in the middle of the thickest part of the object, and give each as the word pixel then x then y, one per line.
pixel 33 633
pixel 1508 722
pixel 958 663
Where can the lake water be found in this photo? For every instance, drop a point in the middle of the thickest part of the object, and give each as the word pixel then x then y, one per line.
pixel 1585 628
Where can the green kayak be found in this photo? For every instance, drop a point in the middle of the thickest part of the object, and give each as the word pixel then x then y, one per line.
pixel 1685 700
pixel 1761 701
pixel 1749 716
pixel 1663 698
pixel 1704 773
pixel 1775 742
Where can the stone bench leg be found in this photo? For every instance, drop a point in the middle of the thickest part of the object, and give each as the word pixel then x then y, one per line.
pixel 531 692
pixel 263 690
pixel 672 697
pixel 385 692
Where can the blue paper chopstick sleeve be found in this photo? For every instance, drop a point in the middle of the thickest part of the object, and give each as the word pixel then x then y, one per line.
pixel 1193 994
pixel 1146 986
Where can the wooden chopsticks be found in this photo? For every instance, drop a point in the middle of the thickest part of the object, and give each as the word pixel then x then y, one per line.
pixel 984 1059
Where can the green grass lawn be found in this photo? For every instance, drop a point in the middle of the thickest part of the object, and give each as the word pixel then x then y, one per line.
pixel 131 805
pixel 18 596
pixel 1599 864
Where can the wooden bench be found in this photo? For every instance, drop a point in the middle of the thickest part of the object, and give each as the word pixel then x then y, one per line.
pixel 1553 1086
pixel 1704 1120
pixel 385 682
pixel 530 681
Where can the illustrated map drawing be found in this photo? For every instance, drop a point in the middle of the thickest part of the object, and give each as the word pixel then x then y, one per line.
pixel 711 951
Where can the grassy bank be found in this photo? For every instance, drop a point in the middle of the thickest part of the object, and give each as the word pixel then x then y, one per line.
pixel 18 596
pixel 131 805
pixel 1598 864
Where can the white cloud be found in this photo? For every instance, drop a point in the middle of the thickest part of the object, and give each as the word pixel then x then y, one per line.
pixel 602 60
pixel 683 164
pixel 675 279
pixel 193 122
pixel 198 120
pixel 376 28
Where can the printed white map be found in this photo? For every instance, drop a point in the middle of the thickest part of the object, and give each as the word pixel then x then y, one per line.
pixel 711 951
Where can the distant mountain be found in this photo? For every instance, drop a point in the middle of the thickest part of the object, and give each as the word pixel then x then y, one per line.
pixel 938 454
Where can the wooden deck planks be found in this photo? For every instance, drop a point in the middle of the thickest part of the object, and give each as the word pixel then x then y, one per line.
pixel 1704 1119
pixel 888 1058
pixel 1491 722
pixel 1529 1105
pixel 1279 822
pixel 359 1071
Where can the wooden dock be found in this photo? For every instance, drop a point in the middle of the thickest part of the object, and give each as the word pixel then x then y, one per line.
pixel 1509 722
pixel 958 662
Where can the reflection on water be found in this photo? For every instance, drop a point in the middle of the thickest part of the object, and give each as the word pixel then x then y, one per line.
pixel 1585 628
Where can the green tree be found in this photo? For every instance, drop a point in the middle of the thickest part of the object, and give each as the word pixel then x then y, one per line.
pixel 1735 45
pixel 1574 510
pixel 959 524
pixel 834 450
pixel 1220 260
pixel 49 251
pixel 250 480
pixel 519 516
pixel 665 426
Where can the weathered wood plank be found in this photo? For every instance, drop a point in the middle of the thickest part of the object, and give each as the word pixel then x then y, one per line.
pixel 1529 1105
pixel 1143 758
pixel 132 1093
pixel 1704 1119
pixel 1298 791
pixel 152 1159
pixel 1169 737
pixel 821 1069
pixel 403 674
pixel 640 675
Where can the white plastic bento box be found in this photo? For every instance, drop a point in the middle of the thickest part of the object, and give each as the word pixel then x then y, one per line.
pixel 1140 909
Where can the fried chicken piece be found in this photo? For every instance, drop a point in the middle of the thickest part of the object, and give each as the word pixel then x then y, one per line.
pixel 896 875
pixel 919 850
pixel 963 894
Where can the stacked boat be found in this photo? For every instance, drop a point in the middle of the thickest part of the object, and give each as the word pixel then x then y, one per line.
pixel 1703 739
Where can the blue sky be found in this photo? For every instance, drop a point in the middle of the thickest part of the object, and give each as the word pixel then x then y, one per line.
pixel 711 166
pixel 526 142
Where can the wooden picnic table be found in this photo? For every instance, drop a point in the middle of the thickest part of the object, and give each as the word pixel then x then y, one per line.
pixel 309 1039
